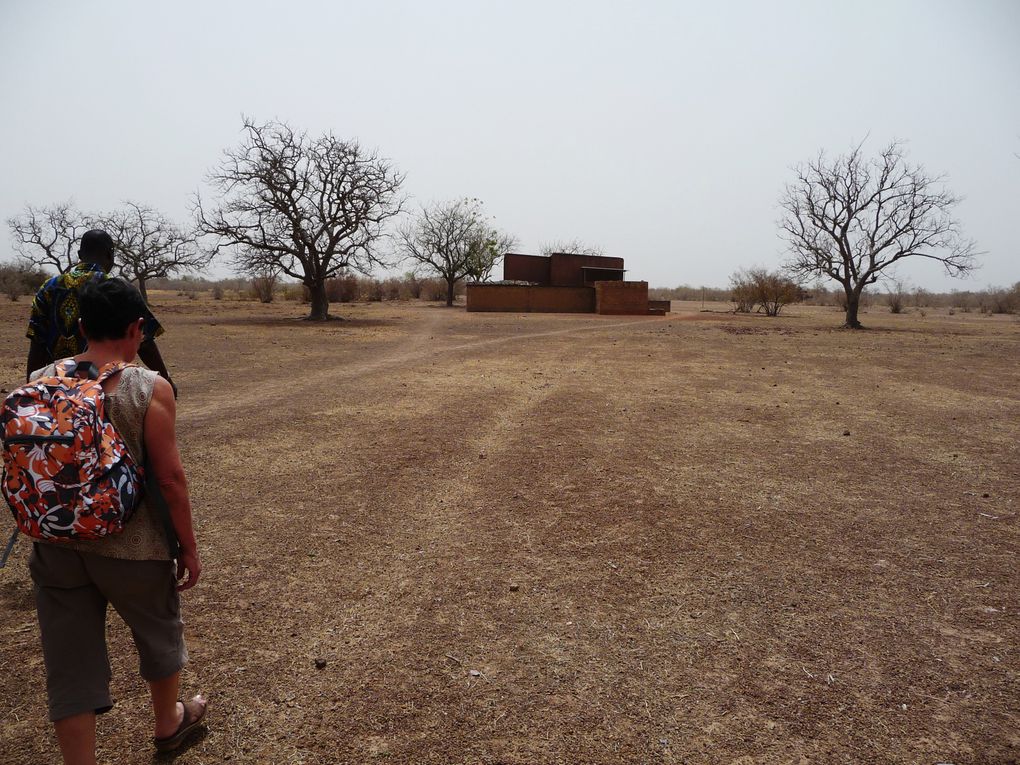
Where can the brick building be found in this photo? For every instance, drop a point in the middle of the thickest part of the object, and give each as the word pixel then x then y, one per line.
pixel 564 283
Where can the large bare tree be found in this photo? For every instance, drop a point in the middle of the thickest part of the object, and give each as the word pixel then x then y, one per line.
pixel 47 236
pixel 309 207
pixel 852 218
pixel 454 240
pixel 150 246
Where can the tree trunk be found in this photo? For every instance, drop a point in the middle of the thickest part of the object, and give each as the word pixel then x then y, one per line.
pixel 141 288
pixel 449 291
pixel 853 304
pixel 320 303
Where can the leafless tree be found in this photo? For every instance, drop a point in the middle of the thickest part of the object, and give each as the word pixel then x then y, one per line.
pixel 851 218
pixel 48 236
pixel 572 247
pixel 151 246
pixel 454 240
pixel 309 207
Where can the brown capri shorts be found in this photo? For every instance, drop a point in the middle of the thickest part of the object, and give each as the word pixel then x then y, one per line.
pixel 72 590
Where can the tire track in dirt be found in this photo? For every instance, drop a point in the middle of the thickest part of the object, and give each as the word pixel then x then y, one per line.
pixel 419 562
pixel 409 550
pixel 250 396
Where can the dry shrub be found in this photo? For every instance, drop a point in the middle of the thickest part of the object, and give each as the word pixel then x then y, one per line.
pixel 372 291
pixel 17 279
pixel 435 289
pixel 896 297
pixel 412 285
pixel 394 289
pixel 988 301
pixel 769 291
pixel 217 292
pixel 689 293
pixel 343 289
pixel 1000 300
pixel 296 293
pixel 964 300
pixel 349 288
pixel 263 286
pixel 742 293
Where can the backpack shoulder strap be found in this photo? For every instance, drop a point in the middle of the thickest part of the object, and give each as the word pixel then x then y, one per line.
pixel 64 368
pixel 109 370
pixel 84 370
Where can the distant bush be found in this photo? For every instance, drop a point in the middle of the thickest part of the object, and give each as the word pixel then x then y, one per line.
pixel 17 279
pixel 342 289
pixel 395 289
pixel 896 297
pixel 1000 300
pixel 689 293
pixel 435 289
pixel 764 290
pixel 412 285
pixel 263 286
pixel 742 293
pixel 296 293
pixel 989 301
pixel 182 284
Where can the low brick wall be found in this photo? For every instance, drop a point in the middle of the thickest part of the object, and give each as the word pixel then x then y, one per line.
pixel 524 299
pixel 660 307
pixel 624 298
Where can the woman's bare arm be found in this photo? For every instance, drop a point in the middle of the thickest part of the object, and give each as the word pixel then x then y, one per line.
pixel 165 463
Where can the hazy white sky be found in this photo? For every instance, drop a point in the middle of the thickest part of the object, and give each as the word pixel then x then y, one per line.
pixel 661 131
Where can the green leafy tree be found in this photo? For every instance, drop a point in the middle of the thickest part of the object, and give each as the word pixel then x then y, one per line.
pixel 455 241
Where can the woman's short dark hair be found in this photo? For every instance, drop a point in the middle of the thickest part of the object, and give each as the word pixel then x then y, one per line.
pixel 108 307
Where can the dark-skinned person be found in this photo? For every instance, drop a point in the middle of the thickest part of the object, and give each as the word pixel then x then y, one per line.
pixel 53 329
pixel 141 570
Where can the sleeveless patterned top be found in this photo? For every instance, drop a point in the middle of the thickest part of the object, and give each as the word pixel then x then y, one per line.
pixel 143 538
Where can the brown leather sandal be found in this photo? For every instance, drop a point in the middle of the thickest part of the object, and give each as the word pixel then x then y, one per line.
pixel 194 714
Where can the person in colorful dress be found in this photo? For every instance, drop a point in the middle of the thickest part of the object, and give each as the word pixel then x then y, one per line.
pixel 53 329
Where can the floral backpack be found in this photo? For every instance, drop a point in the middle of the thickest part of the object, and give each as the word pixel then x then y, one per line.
pixel 68 475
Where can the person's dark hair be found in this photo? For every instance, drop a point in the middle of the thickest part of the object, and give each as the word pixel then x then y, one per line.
pixel 95 245
pixel 108 307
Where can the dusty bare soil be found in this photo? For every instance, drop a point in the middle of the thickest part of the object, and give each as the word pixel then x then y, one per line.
pixel 573 539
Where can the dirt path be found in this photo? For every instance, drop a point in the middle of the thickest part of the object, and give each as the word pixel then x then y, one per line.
pixel 424 341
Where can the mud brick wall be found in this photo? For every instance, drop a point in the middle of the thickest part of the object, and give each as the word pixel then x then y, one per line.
pixel 565 269
pixel 621 297
pixel 522 299
pixel 526 268
pixel 660 305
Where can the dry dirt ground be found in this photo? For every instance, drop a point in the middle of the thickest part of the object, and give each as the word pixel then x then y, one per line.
pixel 701 538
